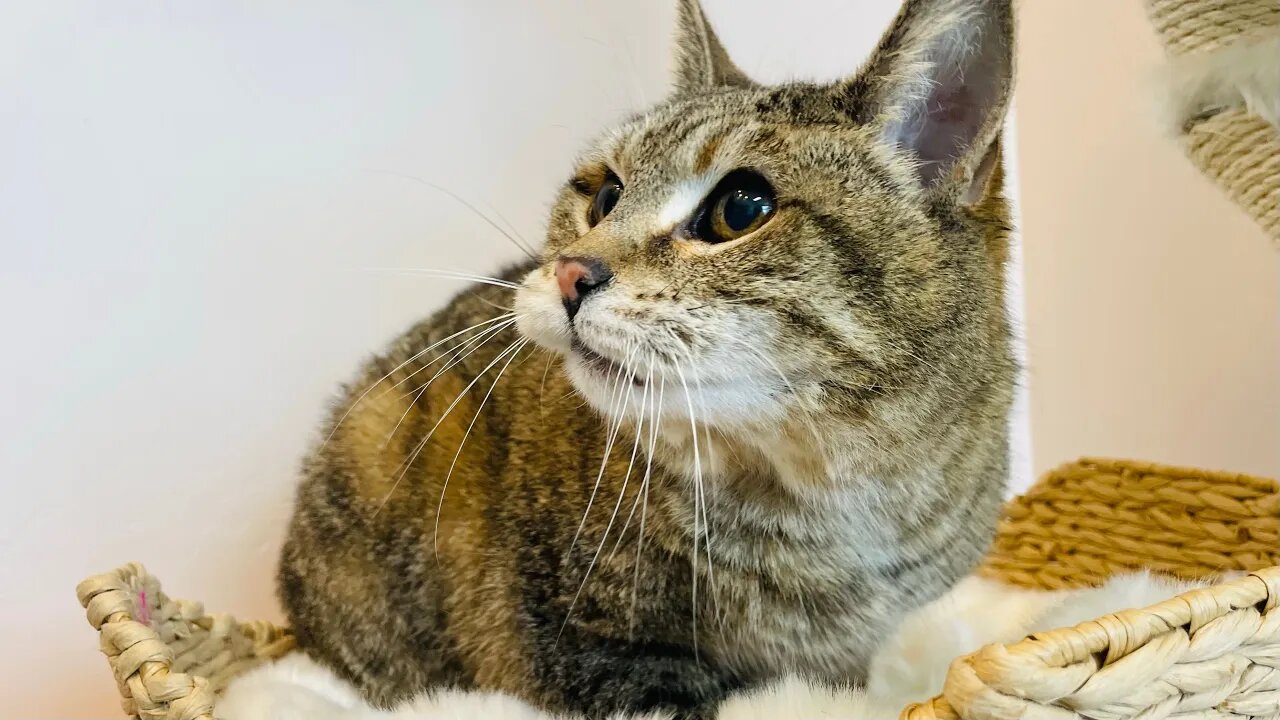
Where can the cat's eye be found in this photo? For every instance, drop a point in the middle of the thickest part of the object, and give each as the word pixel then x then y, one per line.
pixel 605 198
pixel 740 204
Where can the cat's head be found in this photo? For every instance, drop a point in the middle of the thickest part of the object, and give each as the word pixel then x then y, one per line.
pixel 824 251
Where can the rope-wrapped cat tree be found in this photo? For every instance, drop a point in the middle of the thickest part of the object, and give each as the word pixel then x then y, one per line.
pixel 1225 95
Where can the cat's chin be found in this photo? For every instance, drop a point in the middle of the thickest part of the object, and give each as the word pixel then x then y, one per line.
pixel 724 403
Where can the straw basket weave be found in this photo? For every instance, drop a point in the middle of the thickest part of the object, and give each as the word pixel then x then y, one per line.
pixel 1217 648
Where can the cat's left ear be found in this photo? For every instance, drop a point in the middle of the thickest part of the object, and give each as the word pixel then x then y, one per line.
pixel 701 61
pixel 938 87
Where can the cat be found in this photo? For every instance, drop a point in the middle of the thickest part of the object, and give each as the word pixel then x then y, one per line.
pixel 745 409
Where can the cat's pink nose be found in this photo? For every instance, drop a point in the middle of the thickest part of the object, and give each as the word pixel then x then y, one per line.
pixel 577 278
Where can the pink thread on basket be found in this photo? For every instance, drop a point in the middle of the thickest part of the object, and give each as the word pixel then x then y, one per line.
pixel 144 610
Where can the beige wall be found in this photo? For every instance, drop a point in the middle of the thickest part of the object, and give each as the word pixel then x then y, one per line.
pixel 1153 305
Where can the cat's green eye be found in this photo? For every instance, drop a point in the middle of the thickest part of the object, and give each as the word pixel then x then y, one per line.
pixel 605 198
pixel 740 204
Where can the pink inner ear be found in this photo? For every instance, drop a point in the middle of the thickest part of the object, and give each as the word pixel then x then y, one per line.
pixel 954 114
pixel 963 91
pixel 952 105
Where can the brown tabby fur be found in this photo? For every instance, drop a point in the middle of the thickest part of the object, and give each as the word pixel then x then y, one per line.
pixel 847 367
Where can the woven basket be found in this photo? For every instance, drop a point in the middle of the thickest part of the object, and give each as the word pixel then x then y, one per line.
pixel 1238 150
pixel 1209 654
pixel 1216 648
pixel 169 658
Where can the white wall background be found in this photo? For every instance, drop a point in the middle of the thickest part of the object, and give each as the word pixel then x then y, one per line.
pixel 191 195
pixel 1153 303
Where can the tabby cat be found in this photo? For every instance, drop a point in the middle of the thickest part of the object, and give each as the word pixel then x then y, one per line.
pixel 747 409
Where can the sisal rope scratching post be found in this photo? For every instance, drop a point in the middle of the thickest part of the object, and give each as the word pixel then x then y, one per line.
pixel 1188 26
pixel 1226 95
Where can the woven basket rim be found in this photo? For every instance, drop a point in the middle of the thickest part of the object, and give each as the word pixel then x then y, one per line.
pixel 1082 641
pixel 1119 466
pixel 119 604
pixel 1064 660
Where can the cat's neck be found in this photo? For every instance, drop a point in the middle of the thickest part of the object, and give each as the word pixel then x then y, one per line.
pixel 812 529
pixel 788 481
pixel 791 461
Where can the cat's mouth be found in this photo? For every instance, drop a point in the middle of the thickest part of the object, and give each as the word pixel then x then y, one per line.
pixel 601 366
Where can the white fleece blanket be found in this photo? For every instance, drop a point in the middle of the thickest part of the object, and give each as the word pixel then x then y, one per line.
pixel 910 667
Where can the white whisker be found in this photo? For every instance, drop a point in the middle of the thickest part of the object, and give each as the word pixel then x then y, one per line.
pixel 460 352
pixel 459 199
pixel 542 386
pixel 644 491
pixel 608 447
pixel 492 304
pixel 450 275
pixel 697 483
pixel 395 369
pixel 700 484
pixel 622 494
pixel 611 432
pixel 635 449
pixel 768 360
pixel 435 541
pixel 512 227
pixel 653 418
pixel 423 443
pixel 481 337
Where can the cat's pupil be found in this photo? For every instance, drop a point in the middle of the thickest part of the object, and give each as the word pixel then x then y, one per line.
pixel 740 204
pixel 606 197
pixel 743 207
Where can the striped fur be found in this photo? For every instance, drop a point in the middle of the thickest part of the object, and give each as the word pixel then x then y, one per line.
pixel 847 368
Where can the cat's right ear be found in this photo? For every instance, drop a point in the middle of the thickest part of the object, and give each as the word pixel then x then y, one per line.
pixel 701 61
pixel 938 88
